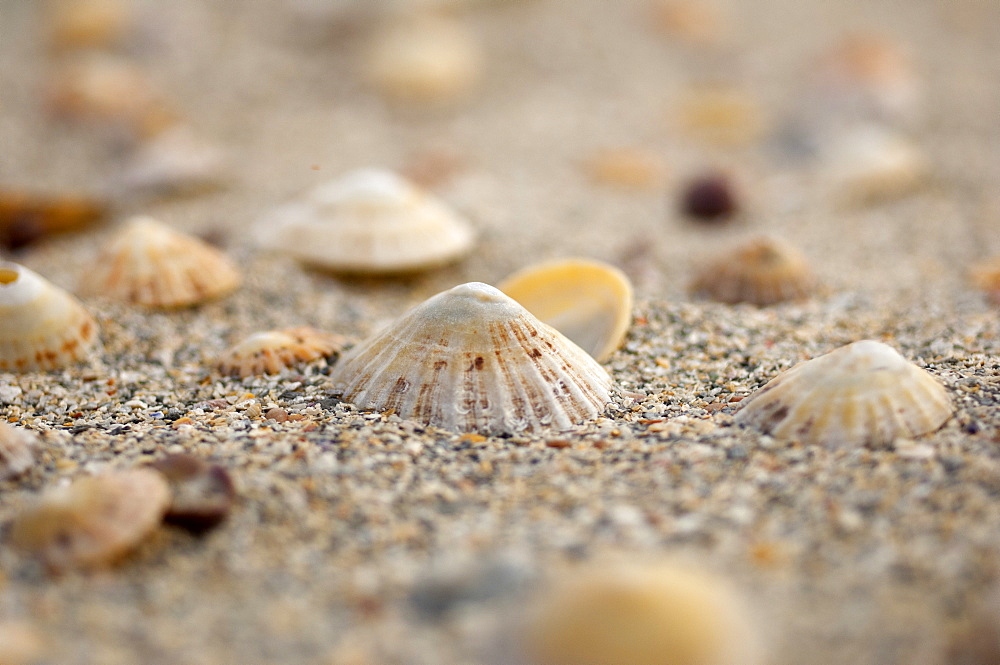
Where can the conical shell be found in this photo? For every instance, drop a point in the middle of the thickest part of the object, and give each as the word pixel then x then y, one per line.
pixel 274 351
pixel 151 264
pixel 864 393
pixel 17 452
pixel 370 221
pixel 763 271
pixel 41 326
pixel 588 301
pixel 472 359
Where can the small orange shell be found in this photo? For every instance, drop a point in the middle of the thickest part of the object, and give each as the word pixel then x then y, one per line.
pixel 986 276
pixel 76 24
pixel 763 271
pixel 274 351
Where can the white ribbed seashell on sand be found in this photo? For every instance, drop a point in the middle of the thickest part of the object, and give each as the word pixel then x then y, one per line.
pixel 17 450
pixel 369 221
pixel 41 326
pixel 471 359
pixel 274 351
pixel 864 393
pixel 588 301
pixel 151 264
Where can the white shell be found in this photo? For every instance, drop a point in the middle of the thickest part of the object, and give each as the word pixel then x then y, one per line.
pixel 151 264
pixel 472 359
pixel 41 326
pixel 176 160
pixel 16 450
pixel 369 221
pixel 864 393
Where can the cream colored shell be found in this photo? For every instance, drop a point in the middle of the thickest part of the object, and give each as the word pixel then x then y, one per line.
pixel 274 351
pixel 588 301
pixel 177 160
pixel 17 450
pixel 471 359
pixel 153 265
pixel 864 393
pixel 42 327
pixel 763 271
pixel 369 221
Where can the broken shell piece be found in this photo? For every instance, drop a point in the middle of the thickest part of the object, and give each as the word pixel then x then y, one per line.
pixel 274 351
pixel 588 301
pixel 986 276
pixel 872 164
pixel 174 161
pixel 763 271
pixel 370 221
pixel 76 24
pixel 17 453
pixel 424 58
pixel 153 265
pixel 642 614
pixel 864 393
pixel 42 327
pixel 201 494
pixel 26 217
pixel 627 168
pixel 93 521
pixel 471 359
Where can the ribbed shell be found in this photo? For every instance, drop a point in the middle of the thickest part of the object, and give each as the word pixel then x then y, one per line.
pixel 369 221
pixel 42 327
pixel 588 301
pixel 153 265
pixel 472 359
pixel 864 393
pixel 17 453
pixel 273 351
pixel 763 271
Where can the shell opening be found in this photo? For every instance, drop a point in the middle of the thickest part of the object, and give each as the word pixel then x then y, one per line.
pixel 8 276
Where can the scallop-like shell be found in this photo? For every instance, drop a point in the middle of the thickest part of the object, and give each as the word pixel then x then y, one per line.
pixel 93 521
pixel 17 450
pixel 41 326
pixel 588 301
pixel 274 351
pixel 369 221
pixel 763 271
pixel 864 393
pixel 153 265
pixel 471 359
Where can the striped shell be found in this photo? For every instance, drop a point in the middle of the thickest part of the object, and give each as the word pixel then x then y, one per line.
pixel 42 327
pixel 369 221
pixel 17 452
pixel 763 271
pixel 864 393
pixel 153 265
pixel 471 359
pixel 274 351
pixel 588 301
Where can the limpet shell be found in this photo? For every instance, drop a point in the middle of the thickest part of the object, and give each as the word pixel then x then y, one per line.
pixel 588 301
pixel 471 359
pixel 150 264
pixel 93 521
pixel 369 221
pixel 274 351
pixel 762 271
pixel 864 393
pixel 17 453
pixel 42 327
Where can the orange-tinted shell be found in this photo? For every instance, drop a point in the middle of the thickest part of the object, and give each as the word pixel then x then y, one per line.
pixel 274 351
pixel 762 272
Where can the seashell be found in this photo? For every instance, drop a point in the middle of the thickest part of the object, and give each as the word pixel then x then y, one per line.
pixel 26 217
pixel 470 359
pixel 763 271
pixel 626 168
pixel 93 521
pixel 21 643
pixel 17 450
pixel 77 24
pixel 864 393
pixel 174 161
pixel 642 614
pixel 588 301
pixel 872 164
pixel 201 494
pixel 694 22
pixel 274 351
pixel 42 327
pixel 986 277
pixel 720 115
pixel 150 264
pixel 370 221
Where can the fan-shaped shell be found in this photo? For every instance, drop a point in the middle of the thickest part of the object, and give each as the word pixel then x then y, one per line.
pixel 763 271
pixel 864 393
pixel 588 301
pixel 273 351
pixel 151 264
pixel 16 450
pixel 472 359
pixel 369 221
pixel 41 326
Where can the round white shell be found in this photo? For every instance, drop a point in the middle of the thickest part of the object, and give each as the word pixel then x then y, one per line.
pixel 369 221
pixel 41 326
pixel 864 393
pixel 472 359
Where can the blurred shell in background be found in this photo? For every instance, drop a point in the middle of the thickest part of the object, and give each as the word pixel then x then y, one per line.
pixel 870 164
pixel 17 450
pixel 274 351
pixel 176 160
pixel 762 271
pixel 79 24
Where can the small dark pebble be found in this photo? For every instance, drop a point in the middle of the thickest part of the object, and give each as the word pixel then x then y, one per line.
pixel 710 197
pixel 289 395
pixel 202 493
pixel 330 403
pixel 173 414
pixel 737 452
pixel 951 463
pixel 971 427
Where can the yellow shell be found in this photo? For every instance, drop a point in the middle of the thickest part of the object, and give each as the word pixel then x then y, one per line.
pixel 370 221
pixel 16 450
pixel 588 301
pixel 151 264
pixel 470 359
pixel 274 351
pixel 41 326
pixel 864 393
pixel 763 271
pixel 642 614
